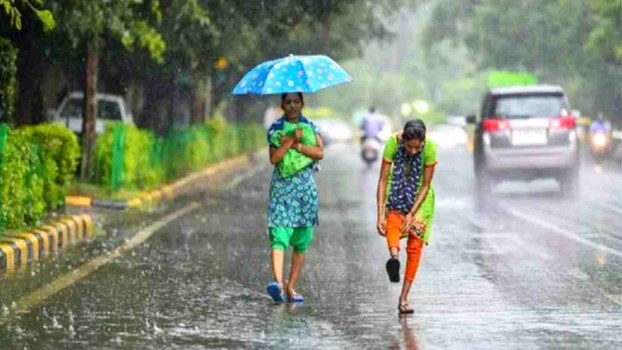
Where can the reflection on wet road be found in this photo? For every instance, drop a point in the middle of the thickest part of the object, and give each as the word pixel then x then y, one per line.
pixel 529 269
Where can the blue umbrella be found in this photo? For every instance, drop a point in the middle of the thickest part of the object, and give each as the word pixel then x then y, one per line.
pixel 292 74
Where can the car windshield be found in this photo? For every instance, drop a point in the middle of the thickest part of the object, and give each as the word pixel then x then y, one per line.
pixel 106 110
pixel 526 106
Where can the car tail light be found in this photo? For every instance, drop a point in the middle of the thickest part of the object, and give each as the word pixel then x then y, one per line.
pixel 562 122
pixel 495 124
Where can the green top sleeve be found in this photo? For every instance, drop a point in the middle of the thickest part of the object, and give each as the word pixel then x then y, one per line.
pixel 429 153
pixel 390 149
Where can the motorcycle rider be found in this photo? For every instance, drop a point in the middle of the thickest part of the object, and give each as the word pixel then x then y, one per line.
pixel 372 125
pixel 600 138
pixel 600 125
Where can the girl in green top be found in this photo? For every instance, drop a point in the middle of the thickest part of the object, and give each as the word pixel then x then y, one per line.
pixel 406 200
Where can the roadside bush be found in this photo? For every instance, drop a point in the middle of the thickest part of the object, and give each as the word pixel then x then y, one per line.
pixel 37 164
pixel 216 133
pixel 59 152
pixel 20 182
pixel 185 151
pixel 136 168
pixel 147 160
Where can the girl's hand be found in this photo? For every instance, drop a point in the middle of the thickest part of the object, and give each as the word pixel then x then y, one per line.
pixel 298 134
pixel 407 221
pixel 287 141
pixel 382 227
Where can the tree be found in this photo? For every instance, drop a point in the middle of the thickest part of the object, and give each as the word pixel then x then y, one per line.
pixel 573 43
pixel 8 72
pixel 12 9
pixel 605 38
pixel 85 24
pixel 206 40
pixel 277 28
pixel 219 40
pixel 9 53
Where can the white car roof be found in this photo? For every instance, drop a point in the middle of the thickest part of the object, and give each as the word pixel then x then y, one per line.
pixel 109 97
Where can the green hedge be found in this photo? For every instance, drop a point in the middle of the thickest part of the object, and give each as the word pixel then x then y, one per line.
pixel 36 166
pixel 136 169
pixel 175 155
pixel 59 151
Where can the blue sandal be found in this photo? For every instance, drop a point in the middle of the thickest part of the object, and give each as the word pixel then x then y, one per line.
pixel 296 298
pixel 275 291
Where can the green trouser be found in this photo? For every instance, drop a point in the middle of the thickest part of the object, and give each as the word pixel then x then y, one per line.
pixel 298 237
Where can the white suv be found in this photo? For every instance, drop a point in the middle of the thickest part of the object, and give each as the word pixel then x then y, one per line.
pixel 526 133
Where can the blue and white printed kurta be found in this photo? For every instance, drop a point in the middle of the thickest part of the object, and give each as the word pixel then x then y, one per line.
pixel 293 200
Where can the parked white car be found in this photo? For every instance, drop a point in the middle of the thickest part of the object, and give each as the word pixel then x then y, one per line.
pixel 109 108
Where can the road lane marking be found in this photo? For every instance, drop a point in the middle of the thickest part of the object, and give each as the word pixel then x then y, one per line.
pixel 608 206
pixel 560 231
pixel 508 236
pixel 29 301
pixel 529 248
pixel 607 197
pixel 616 298
pixel 578 274
pixel 574 272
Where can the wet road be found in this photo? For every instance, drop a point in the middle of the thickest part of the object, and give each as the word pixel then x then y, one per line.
pixel 530 270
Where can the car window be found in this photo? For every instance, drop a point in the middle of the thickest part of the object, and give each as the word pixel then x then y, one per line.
pixel 526 106
pixel 72 109
pixel 108 110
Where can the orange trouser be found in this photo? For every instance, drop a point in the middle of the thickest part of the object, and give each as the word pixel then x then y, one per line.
pixel 414 247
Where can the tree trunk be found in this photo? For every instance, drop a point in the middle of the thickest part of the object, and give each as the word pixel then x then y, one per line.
pixel 199 91
pixel 30 71
pixel 208 98
pixel 88 121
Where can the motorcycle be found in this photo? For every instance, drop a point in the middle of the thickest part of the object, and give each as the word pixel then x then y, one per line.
pixel 372 146
pixel 600 145
pixel 370 150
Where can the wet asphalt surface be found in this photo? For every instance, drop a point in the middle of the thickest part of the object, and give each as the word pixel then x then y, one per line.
pixel 529 270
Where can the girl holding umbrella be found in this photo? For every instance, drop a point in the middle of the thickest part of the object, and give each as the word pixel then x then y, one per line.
pixel 293 206
pixel 295 147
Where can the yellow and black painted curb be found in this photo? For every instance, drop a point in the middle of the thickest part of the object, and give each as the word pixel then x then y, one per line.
pixel 149 199
pixel 26 247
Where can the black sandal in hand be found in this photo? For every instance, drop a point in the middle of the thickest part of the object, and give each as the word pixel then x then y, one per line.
pixel 405 309
pixel 393 269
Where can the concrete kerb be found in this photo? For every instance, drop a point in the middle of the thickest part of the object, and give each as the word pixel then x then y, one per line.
pixel 149 199
pixel 30 246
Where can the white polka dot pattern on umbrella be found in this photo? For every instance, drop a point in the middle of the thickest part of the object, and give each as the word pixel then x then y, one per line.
pixel 292 74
